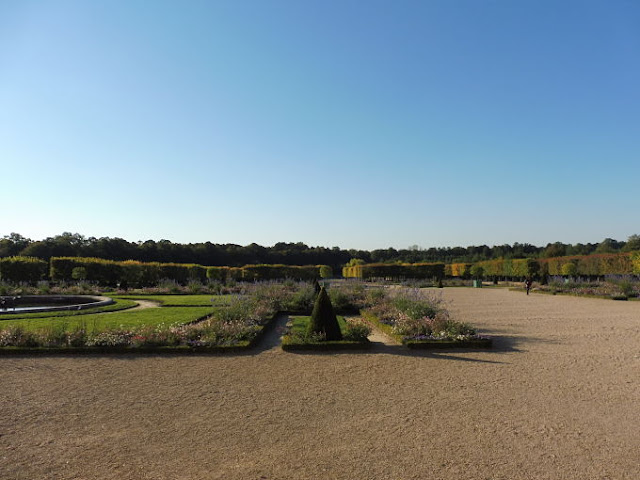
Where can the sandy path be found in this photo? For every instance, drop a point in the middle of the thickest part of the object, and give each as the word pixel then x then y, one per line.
pixel 142 304
pixel 381 340
pixel 558 399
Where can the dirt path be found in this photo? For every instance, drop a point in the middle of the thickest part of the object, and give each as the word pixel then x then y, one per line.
pixel 381 340
pixel 557 399
pixel 142 304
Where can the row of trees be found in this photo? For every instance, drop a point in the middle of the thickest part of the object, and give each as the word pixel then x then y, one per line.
pixel 212 254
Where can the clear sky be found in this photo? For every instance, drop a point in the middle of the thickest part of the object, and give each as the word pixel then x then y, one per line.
pixel 359 124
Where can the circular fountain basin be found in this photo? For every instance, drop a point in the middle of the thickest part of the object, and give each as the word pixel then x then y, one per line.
pixel 50 303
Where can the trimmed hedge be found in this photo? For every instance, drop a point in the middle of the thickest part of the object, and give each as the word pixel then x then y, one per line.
pixel 141 274
pixel 104 272
pixel 461 270
pixel 635 263
pixel 280 272
pixel 264 272
pixel 22 269
pixel 219 274
pixel 584 265
pixel 593 265
pixel 510 268
pixel 109 272
pixel 394 270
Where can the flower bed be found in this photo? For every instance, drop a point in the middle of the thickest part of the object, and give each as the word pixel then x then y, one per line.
pixel 419 319
pixel 175 339
pixel 614 287
pixel 237 325
pixel 414 317
pixel 296 337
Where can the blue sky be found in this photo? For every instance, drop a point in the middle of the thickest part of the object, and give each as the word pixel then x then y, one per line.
pixel 359 124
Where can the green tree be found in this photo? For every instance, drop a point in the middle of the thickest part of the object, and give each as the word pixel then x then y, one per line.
pixel 323 318
pixel 557 249
pixel 355 261
pixel 608 245
pixel 633 244
pixel 325 271
pixel 11 245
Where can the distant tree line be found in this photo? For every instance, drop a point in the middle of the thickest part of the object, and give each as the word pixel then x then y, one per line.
pixel 213 254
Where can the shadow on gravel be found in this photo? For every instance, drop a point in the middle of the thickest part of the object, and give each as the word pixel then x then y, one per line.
pixel 402 351
pixel 501 345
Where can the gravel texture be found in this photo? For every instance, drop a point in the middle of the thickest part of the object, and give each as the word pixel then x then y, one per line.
pixel 558 398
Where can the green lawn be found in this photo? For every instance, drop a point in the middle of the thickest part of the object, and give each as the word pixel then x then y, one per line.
pixel 124 319
pixel 181 300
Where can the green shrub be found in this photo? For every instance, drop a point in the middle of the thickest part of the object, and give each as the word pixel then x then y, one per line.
pixel 569 269
pixel 302 300
pixel 79 273
pixel 323 319
pixel 326 271
pixel 357 331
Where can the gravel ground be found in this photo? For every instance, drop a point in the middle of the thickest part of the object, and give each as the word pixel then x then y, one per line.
pixel 559 398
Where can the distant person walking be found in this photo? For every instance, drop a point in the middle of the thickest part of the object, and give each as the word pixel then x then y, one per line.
pixel 527 284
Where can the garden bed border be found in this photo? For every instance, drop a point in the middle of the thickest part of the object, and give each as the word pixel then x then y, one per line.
pixel 431 344
pixel 149 350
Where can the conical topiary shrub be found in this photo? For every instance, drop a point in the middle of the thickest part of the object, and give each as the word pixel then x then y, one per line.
pixel 323 319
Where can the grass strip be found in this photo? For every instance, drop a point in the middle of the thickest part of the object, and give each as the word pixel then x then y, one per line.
pixel 181 300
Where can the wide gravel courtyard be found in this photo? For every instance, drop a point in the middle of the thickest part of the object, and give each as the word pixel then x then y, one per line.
pixel 558 398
